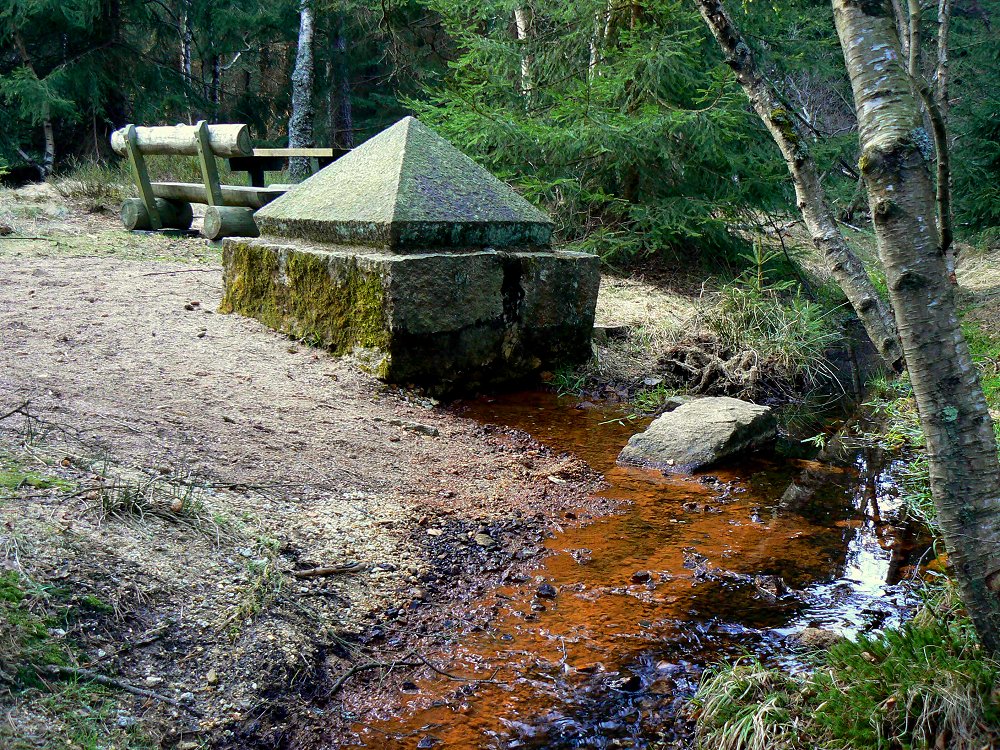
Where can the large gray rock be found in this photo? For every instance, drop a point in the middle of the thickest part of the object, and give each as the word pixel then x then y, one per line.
pixel 699 433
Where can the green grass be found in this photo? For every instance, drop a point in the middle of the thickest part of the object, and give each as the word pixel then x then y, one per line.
pixel 15 477
pixel 41 711
pixel 985 352
pixel 788 334
pixel 25 643
pixel 81 716
pixel 925 685
pixel 263 586
pixel 568 381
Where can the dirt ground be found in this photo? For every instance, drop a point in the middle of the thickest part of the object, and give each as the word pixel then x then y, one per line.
pixel 202 463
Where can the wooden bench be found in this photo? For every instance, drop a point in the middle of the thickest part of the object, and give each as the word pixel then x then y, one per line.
pixel 168 204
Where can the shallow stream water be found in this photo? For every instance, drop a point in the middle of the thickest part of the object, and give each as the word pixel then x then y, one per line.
pixel 604 643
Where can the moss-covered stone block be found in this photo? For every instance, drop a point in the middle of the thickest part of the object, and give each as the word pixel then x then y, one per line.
pixel 450 321
pixel 334 300
pixel 408 249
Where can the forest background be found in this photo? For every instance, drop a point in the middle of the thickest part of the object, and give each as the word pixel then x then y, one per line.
pixel 619 117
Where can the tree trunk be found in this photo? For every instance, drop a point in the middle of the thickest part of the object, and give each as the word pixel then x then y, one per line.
pixel 946 219
pixel 913 45
pixel 846 267
pixel 215 92
pixel 522 20
pixel 300 125
pixel 48 132
pixel 961 447
pixel 902 26
pixel 186 34
pixel 340 110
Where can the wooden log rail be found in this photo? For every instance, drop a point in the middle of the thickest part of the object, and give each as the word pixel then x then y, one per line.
pixel 225 141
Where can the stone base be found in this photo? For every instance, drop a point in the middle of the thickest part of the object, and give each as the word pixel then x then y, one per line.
pixel 450 321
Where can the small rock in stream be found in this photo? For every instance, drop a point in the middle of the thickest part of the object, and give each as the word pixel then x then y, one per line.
pixel 546 591
pixel 641 576
pixel 630 684
pixel 484 540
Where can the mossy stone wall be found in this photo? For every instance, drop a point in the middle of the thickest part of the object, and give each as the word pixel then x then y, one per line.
pixel 450 321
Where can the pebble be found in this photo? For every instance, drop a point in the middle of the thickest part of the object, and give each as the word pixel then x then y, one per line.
pixel 546 591
pixel 484 540
pixel 212 677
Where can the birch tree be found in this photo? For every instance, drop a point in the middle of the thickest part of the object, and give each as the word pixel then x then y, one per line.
pixel 522 25
pixel 841 261
pixel 961 446
pixel 300 125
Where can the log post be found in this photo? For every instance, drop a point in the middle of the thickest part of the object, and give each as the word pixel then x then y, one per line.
pixel 171 214
pixel 229 221
pixel 141 175
pixel 209 170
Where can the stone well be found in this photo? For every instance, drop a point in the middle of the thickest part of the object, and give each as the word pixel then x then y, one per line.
pixel 407 251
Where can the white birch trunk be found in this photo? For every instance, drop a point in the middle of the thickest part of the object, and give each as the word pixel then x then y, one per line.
pixel 522 22
pixel 300 125
pixel 841 261
pixel 961 447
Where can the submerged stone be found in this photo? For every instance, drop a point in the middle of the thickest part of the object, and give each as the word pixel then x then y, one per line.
pixel 700 433
pixel 407 188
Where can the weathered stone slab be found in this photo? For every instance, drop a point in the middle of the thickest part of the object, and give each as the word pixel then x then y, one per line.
pixel 407 189
pixel 451 321
pixel 699 433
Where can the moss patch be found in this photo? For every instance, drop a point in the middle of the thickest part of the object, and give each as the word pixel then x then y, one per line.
pixel 13 478
pixel 327 300
pixel 25 644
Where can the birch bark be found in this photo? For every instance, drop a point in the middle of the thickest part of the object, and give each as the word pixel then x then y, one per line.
pixel 961 447
pixel 48 131
pixel 300 124
pixel 522 22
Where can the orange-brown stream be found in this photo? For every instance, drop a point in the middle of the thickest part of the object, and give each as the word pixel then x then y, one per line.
pixel 685 574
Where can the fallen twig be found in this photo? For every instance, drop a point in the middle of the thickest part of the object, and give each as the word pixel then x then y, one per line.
pixel 37 495
pixel 150 637
pixel 421 661
pixel 79 672
pixel 182 270
pixel 17 410
pixel 367 666
pixel 450 676
pixel 330 571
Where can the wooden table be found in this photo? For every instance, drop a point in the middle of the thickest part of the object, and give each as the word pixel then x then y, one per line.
pixel 275 160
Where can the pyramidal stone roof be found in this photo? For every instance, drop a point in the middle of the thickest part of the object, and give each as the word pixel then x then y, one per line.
pixel 406 188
